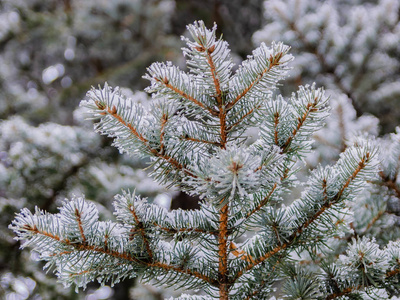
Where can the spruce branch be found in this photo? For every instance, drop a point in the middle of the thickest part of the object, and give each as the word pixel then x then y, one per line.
pixel 118 121
pixel 355 177
pixel 72 249
pixel 176 91
pixel 258 72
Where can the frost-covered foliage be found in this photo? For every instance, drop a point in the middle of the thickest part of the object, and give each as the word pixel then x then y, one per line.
pixel 43 165
pixel 251 232
pixel 352 48
pixel 349 46
pixel 51 52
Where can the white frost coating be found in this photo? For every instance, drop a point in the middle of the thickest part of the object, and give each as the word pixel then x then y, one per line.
pixel 366 253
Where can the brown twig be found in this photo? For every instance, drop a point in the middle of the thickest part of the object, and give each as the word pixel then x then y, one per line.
pixel 276 123
pixel 240 253
pixel 344 292
pixel 164 121
pixel 309 108
pixel 375 219
pixel 361 165
pixel 78 219
pixel 223 254
pixel 217 84
pixel 359 287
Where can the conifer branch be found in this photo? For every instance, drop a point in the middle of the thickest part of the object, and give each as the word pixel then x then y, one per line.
pixel 311 107
pixel 240 253
pixel 261 259
pixel 269 195
pixel 344 292
pixel 320 57
pixel 276 123
pixel 83 246
pixel 375 219
pixel 349 290
pixel 361 166
pixel 194 133
pixel 242 118
pixel 113 112
pixel 167 84
pixel 393 272
pixel 329 202
pixel 263 202
pixel 391 184
pixel 184 271
pixel 139 226
pixel 218 97
pixel 273 62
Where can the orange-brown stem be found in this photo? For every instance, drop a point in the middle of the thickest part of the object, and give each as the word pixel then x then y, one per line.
pixel 223 254
pixel 215 78
pixel 162 132
pixel 343 292
pixel 390 184
pixel 78 219
pixel 240 253
pixel 276 123
pixel 361 165
pixel 300 122
pixel 375 219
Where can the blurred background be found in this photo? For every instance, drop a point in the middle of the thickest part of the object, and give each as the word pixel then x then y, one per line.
pixel 53 51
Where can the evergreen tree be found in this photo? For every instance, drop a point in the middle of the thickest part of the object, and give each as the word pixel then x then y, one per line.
pixel 348 46
pixel 249 234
